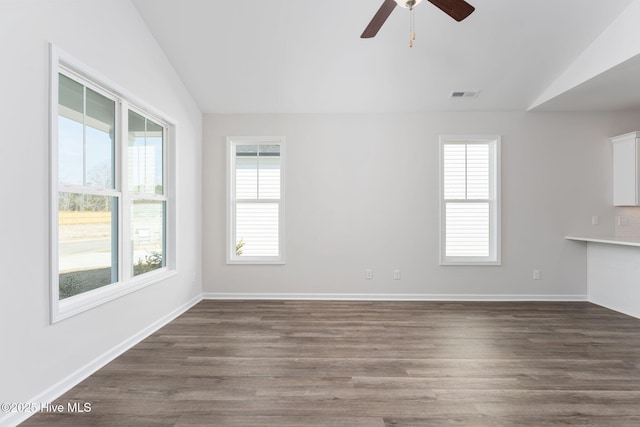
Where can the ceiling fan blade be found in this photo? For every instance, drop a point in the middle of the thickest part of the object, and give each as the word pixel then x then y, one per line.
pixel 457 9
pixel 376 23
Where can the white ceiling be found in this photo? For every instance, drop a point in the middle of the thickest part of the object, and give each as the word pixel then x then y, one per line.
pixel 306 56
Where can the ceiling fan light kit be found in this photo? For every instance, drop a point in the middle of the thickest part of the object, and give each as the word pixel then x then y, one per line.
pixel 457 9
pixel 408 4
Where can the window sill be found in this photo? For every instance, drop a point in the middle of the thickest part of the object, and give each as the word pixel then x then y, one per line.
pixel 471 263
pixel 77 304
pixel 256 262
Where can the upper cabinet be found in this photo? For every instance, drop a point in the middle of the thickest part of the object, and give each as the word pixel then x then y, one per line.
pixel 626 177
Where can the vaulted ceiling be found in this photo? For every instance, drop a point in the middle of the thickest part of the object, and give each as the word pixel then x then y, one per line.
pixel 306 56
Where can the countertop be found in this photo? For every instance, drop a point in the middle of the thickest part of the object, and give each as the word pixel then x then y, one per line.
pixel 625 241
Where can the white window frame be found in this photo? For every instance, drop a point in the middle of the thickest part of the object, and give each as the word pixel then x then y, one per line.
pixel 494 257
pixel 232 258
pixel 63 63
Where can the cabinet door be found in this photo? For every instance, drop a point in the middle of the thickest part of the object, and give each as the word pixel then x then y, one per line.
pixel 625 178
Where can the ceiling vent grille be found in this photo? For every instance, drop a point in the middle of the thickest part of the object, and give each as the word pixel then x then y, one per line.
pixel 464 94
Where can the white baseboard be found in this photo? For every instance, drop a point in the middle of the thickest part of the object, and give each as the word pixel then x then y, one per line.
pixel 66 384
pixel 389 297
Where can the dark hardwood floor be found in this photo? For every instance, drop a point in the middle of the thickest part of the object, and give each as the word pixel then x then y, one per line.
pixel 317 363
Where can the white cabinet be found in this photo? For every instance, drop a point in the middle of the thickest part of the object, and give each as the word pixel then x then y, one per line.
pixel 626 176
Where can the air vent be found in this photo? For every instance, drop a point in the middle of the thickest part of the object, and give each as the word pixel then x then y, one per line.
pixel 464 94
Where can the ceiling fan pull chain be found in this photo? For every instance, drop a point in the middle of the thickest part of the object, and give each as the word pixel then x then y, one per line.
pixel 413 25
pixel 412 33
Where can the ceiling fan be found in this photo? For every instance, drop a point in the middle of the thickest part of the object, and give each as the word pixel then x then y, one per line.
pixel 457 9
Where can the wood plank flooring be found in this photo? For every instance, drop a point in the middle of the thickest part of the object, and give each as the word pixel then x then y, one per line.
pixel 372 364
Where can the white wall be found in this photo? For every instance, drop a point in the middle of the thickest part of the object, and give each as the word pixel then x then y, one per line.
pixel 110 37
pixel 613 47
pixel 362 192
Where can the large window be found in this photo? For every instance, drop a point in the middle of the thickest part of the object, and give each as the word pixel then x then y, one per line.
pixel 110 193
pixel 469 205
pixel 256 200
pixel 88 200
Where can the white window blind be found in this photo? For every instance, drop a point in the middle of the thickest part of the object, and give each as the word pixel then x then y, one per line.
pixel 256 214
pixel 257 229
pixel 469 208
pixel 467 229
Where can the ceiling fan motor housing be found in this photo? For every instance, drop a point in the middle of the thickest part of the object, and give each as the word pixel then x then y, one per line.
pixel 409 4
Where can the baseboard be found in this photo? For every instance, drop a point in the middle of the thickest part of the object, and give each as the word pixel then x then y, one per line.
pixel 389 297
pixel 66 384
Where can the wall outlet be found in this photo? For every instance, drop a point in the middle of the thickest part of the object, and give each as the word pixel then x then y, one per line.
pixel 396 274
pixel 536 274
pixel 368 274
pixel 595 220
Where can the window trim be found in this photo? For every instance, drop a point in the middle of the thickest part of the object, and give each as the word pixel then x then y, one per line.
pixel 231 257
pixel 62 62
pixel 494 258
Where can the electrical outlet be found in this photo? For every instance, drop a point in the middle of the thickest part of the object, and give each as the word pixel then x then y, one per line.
pixel 396 274
pixel 368 274
pixel 595 220
pixel 536 274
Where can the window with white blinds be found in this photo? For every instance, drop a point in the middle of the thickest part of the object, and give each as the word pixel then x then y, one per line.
pixel 469 207
pixel 256 202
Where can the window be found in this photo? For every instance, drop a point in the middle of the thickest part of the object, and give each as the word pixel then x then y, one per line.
pixel 256 200
pixel 110 206
pixel 146 188
pixel 469 205
pixel 88 201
